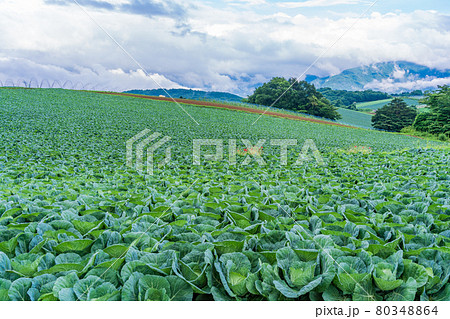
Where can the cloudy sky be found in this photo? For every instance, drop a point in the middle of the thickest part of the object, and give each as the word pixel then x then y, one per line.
pixel 225 45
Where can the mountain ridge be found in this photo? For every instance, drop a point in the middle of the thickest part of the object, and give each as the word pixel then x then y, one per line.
pixel 390 77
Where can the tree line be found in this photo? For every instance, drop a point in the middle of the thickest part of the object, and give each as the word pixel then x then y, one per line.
pixel 437 121
pixel 397 115
pixel 346 99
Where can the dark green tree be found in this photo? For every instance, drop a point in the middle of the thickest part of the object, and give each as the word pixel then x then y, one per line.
pixel 437 121
pixel 269 92
pixel 353 107
pixel 294 95
pixel 394 116
pixel 424 121
pixel 339 103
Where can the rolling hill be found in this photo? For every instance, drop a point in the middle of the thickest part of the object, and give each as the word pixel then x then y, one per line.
pixel 375 105
pixel 355 118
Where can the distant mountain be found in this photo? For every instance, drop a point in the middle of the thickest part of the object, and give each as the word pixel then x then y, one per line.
pixel 391 77
pixel 190 94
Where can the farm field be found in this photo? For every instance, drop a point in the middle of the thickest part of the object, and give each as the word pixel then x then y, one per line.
pixel 349 117
pixel 355 118
pixel 241 107
pixel 375 105
pixel 76 223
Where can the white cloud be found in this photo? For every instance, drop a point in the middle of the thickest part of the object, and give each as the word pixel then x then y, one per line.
pixel 398 73
pixel 23 72
pixel 214 48
pixel 246 2
pixel 392 86
pixel 317 3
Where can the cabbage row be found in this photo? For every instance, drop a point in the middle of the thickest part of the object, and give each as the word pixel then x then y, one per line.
pixel 76 224
pixel 312 234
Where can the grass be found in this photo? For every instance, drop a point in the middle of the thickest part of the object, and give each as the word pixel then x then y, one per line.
pixel 355 118
pixel 375 105
pixel 413 132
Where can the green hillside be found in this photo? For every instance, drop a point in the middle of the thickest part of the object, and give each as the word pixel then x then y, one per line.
pixel 118 118
pixel 375 105
pixel 78 223
pixel 355 118
pixel 412 101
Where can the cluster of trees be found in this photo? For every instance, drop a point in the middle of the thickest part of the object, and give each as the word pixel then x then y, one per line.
pixel 437 121
pixel 294 95
pixel 394 116
pixel 347 99
pixel 397 115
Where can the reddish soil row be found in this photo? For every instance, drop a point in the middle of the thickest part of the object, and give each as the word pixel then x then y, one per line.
pixel 228 107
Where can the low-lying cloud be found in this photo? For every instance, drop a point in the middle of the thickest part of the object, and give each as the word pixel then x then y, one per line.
pixel 390 85
pixel 26 73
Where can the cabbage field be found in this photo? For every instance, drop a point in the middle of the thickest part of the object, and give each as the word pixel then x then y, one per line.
pixel 77 224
